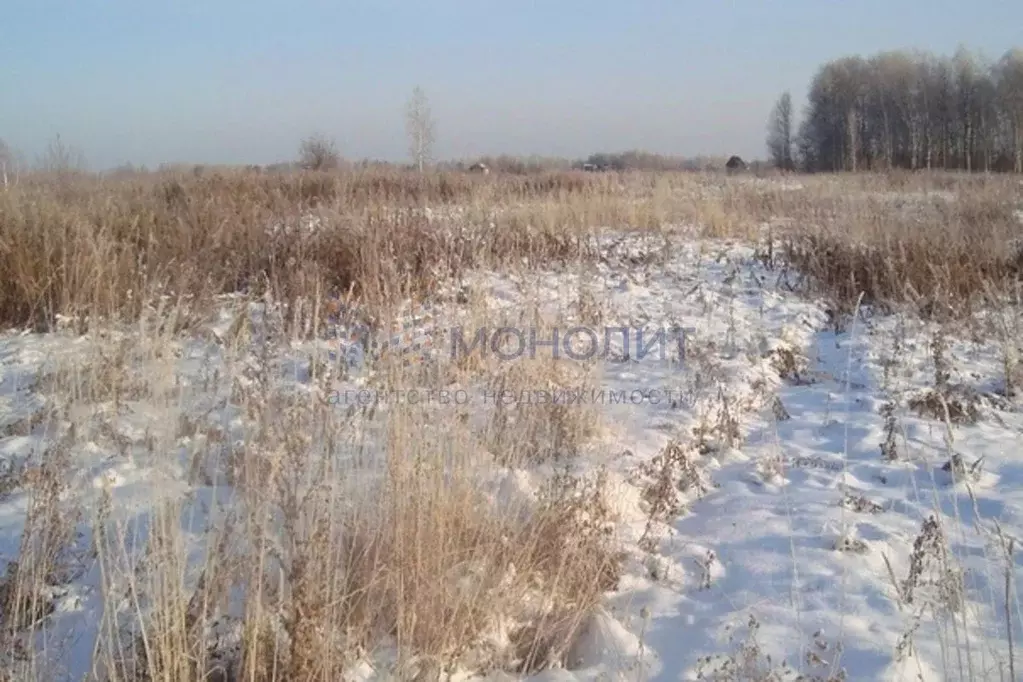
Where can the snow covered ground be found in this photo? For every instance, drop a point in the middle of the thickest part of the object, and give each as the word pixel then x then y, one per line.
pixel 784 533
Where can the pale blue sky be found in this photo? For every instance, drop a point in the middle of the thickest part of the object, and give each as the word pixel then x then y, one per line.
pixel 243 82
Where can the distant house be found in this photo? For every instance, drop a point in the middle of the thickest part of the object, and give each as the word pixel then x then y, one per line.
pixel 735 165
pixel 479 168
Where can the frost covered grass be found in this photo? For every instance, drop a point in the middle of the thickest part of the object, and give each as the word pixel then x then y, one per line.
pixel 195 484
pixel 945 253
pixel 216 514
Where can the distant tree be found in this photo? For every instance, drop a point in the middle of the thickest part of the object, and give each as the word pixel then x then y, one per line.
pixel 914 110
pixel 420 127
pixel 6 163
pixel 318 152
pixel 735 164
pixel 1009 78
pixel 779 133
pixel 61 158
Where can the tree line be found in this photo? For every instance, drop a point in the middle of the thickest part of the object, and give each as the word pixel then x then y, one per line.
pixel 905 109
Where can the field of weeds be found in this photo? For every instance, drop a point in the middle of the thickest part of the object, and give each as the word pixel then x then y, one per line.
pixel 374 425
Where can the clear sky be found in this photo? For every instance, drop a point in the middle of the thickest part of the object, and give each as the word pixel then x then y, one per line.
pixel 242 82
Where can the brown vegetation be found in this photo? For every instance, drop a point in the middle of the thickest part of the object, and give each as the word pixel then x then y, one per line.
pixel 84 247
pixel 313 562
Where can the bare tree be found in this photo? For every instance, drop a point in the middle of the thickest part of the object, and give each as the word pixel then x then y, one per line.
pixel 915 110
pixel 61 158
pixel 1010 90
pixel 318 152
pixel 6 162
pixel 779 133
pixel 420 127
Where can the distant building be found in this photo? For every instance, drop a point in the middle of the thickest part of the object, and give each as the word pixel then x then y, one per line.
pixel 479 168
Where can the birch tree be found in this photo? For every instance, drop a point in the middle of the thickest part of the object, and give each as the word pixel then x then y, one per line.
pixel 420 127
pixel 6 163
pixel 779 133
pixel 1010 91
pixel 915 110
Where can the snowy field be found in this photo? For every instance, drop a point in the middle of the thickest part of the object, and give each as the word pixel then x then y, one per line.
pixel 789 494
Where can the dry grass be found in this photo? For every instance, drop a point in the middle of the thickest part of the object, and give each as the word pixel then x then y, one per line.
pixel 88 248
pixel 325 537
pixel 314 538
pixel 940 252
pixel 92 247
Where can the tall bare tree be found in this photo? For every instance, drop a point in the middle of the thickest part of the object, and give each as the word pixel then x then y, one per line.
pixel 779 133
pixel 6 163
pixel 420 127
pixel 1009 77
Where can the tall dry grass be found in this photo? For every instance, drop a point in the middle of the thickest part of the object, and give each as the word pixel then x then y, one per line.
pixel 941 243
pixel 315 536
pixel 306 539
pixel 89 247
pixel 312 537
